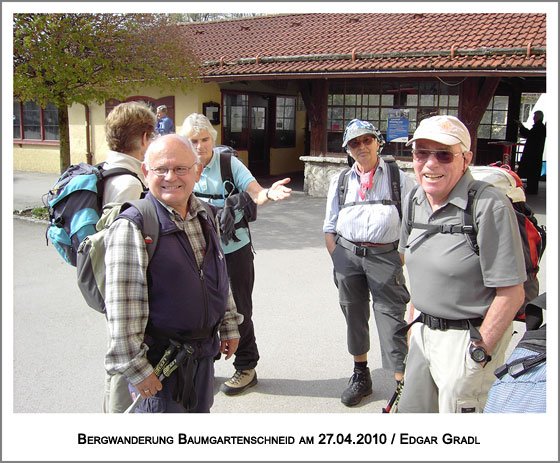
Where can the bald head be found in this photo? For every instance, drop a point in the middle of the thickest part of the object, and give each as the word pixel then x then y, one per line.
pixel 172 168
pixel 171 142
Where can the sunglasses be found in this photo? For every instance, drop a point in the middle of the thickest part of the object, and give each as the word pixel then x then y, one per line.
pixel 444 157
pixel 356 143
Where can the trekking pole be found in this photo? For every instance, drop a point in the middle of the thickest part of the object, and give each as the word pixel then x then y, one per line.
pixel 395 399
pixel 158 370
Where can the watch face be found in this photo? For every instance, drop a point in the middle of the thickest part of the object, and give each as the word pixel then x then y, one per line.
pixel 478 354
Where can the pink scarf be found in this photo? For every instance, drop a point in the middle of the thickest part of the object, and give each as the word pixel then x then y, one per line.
pixel 366 180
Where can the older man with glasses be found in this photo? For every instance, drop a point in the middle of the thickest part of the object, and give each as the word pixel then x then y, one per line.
pixel 467 300
pixel 361 235
pixel 182 297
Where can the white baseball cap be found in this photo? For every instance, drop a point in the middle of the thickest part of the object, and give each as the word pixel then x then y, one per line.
pixel 447 130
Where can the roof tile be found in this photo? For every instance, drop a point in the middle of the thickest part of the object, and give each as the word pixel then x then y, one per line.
pixel 326 42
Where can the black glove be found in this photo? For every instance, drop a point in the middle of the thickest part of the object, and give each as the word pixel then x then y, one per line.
pixel 243 202
pixel 226 219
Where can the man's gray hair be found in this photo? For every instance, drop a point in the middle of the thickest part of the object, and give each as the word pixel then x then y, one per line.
pixel 197 123
pixel 158 142
pixel 162 108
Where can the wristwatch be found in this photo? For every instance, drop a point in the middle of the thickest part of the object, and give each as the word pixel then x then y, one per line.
pixel 479 354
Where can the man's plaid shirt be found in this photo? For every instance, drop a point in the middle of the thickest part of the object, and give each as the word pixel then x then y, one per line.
pixel 126 292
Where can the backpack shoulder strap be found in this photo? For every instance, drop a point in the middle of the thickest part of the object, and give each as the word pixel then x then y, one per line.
pixel 150 223
pixel 469 223
pixel 114 172
pixel 227 173
pixel 410 209
pixel 395 182
pixel 342 186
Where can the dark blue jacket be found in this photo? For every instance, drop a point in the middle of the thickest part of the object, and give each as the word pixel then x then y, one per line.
pixel 184 299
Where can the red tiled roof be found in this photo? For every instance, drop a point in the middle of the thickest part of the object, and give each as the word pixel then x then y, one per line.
pixel 377 42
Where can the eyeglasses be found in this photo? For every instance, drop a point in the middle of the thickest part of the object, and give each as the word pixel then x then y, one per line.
pixel 445 157
pixel 179 170
pixel 355 143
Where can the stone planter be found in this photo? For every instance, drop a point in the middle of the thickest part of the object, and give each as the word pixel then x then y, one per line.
pixel 320 169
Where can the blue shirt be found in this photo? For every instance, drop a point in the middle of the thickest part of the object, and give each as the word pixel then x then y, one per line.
pixel 165 125
pixel 211 183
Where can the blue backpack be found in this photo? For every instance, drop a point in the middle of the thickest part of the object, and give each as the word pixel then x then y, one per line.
pixel 74 204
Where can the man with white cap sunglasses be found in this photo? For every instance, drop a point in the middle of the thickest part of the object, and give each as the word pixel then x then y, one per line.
pixel 467 300
pixel 361 235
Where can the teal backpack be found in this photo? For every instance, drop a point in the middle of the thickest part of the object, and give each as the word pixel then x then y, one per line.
pixel 74 204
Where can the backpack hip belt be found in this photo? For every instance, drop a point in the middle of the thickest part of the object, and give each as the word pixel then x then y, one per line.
pixel 364 250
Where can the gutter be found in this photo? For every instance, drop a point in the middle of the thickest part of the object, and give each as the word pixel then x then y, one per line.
pixel 397 73
pixel 453 53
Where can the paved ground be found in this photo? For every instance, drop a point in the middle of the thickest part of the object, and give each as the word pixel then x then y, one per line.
pixel 300 329
pixel 58 346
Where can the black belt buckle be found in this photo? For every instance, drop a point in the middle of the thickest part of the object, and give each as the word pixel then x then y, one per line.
pixel 436 323
pixel 360 251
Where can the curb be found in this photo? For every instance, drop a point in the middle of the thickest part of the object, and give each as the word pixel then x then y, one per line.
pixel 30 219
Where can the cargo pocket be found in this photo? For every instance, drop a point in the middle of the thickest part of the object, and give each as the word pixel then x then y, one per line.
pixel 467 406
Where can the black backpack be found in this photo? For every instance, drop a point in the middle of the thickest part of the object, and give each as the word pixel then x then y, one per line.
pixel 394 179
pixel 225 153
pixel 230 189
pixel 75 205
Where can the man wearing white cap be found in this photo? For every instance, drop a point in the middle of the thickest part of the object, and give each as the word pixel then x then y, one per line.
pixel 467 300
pixel 361 235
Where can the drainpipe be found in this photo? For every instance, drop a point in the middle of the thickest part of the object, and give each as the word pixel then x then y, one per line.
pixel 89 154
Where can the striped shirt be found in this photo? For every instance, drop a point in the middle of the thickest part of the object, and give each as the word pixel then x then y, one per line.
pixel 371 223
pixel 126 292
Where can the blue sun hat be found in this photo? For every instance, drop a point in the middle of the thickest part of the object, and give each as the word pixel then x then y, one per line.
pixel 357 127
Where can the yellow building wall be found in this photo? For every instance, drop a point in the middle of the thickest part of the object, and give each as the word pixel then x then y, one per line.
pixel 41 158
pixel 46 158
pixel 285 160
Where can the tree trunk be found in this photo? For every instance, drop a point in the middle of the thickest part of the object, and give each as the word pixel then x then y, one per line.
pixel 64 135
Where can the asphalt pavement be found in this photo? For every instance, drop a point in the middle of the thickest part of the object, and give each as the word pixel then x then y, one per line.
pixel 59 342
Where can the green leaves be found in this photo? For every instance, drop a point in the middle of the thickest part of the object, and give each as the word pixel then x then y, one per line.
pixel 79 58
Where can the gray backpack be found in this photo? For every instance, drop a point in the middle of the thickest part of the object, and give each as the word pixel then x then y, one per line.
pixel 90 258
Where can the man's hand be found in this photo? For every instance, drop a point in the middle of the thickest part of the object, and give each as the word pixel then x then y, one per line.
pixel 149 386
pixel 229 347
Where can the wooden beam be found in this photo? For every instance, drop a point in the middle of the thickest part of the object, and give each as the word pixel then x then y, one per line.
pixel 476 93
pixel 315 95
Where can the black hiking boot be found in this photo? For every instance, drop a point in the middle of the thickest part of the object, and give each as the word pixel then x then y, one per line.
pixel 359 386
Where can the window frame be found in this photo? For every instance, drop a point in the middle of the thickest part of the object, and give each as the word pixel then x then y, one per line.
pixel 39 141
pixel 291 142
pixel 490 113
pixel 379 97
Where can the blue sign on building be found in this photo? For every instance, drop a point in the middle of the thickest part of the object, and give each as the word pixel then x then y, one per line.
pixel 397 126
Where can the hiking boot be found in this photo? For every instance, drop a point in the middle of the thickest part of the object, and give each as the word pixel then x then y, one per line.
pixel 359 387
pixel 239 382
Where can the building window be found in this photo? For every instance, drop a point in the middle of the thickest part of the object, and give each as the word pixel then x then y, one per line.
pixel 33 123
pixel 285 127
pixel 235 120
pixel 494 122
pixel 374 101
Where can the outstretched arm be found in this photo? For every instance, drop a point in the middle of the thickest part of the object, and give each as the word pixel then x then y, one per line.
pixel 276 192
